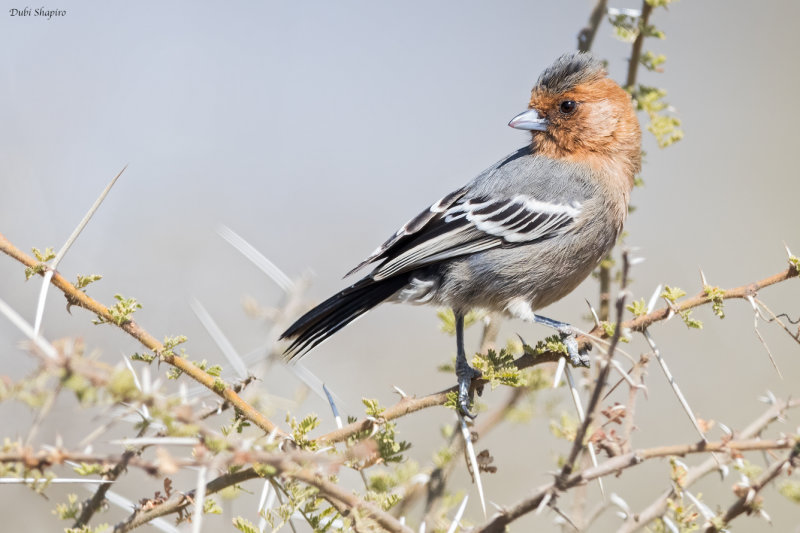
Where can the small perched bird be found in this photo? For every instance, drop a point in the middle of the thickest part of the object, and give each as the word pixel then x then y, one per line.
pixel 523 233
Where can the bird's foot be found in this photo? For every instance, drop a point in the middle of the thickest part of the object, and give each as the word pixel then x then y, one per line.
pixel 576 356
pixel 466 374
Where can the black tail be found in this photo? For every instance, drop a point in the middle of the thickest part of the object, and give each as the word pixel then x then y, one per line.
pixel 339 310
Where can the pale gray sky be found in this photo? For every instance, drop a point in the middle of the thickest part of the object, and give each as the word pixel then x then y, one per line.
pixel 314 129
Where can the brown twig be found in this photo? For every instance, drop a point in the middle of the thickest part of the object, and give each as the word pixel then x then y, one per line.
pixel 742 292
pixel 586 35
pixel 636 49
pixel 604 277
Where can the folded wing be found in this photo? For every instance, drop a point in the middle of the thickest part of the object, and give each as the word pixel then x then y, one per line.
pixel 455 226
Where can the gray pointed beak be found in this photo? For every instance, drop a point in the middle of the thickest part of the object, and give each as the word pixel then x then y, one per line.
pixel 529 120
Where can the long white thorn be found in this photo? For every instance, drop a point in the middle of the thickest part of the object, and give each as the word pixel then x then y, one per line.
pixel 559 373
pixel 704 509
pixel 594 314
pixel 266 495
pixel 473 461
pixel 654 299
pixel 249 251
pixel 459 513
pixel 199 499
pixel 543 504
pixel 219 338
pixel 55 481
pixel 576 398
pixel 673 383
pixel 625 375
pixel 28 330
pixel 757 313
pixel 37 323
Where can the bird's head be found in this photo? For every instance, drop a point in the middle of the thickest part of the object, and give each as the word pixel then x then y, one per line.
pixel 577 113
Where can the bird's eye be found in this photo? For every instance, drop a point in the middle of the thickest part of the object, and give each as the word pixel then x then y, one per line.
pixel 568 106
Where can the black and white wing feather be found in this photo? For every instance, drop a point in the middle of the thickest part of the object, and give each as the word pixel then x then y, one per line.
pixel 411 227
pixel 455 226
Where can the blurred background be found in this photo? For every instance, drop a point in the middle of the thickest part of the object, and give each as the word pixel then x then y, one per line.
pixel 314 129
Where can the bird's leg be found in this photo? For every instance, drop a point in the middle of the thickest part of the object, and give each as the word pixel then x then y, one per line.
pixel 464 372
pixel 568 337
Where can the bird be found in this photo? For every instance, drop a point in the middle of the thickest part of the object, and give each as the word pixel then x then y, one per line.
pixel 519 236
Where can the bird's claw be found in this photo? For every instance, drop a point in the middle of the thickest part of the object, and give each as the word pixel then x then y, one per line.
pixel 577 356
pixel 465 376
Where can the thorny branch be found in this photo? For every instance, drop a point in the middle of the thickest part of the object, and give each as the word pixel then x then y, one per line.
pixel 619 463
pixel 658 507
pixel 409 404
pixel 93 504
pixel 636 49
pixel 403 407
pixel 290 466
pixel 586 35
pixel 285 467
pixel 747 502
pixel 79 298
pixel 602 378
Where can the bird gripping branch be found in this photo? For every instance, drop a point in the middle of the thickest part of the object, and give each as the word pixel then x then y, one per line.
pixel 522 234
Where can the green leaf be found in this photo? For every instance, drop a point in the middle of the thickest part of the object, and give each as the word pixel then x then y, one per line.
pixel 689 321
pixel 665 127
pixel 565 428
pixel 652 61
pixel 638 307
pixel 145 357
pixel 716 295
pixel 69 510
pixel 122 311
pixel 170 343
pixel 498 368
pixel 660 3
pixel 210 506
pixel 672 293
pixel 389 448
pixel 552 343
pixel 301 429
pixel 452 400
pixel 790 490
pixel 626 27
pixel 609 329
pixel 244 525
pixel 43 258
pixel 84 281
pixel 373 407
